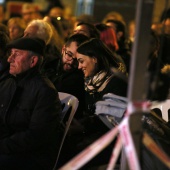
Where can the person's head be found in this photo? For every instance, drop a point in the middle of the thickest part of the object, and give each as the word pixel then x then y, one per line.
pixel 93 56
pixel 157 27
pixel 69 51
pixel 28 12
pixel 56 12
pixel 85 18
pixel 108 36
pixel 87 29
pixel 119 27
pixel 113 15
pixel 40 29
pixel 26 53
pixel 16 26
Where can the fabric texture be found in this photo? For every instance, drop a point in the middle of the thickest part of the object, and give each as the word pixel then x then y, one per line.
pixel 98 82
pixel 111 109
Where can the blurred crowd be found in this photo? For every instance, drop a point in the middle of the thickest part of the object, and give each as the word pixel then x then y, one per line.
pixel 78 56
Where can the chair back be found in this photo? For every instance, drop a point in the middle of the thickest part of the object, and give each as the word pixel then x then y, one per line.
pixel 69 104
pixel 69 107
pixel 163 107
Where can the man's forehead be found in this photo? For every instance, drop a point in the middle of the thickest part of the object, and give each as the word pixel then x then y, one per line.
pixel 18 50
pixel 72 47
pixel 72 44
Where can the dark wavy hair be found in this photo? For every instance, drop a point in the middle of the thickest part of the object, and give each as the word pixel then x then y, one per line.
pixel 96 48
pixel 78 38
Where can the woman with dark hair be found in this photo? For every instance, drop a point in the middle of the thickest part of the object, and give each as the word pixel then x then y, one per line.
pixel 100 70
pixel 102 75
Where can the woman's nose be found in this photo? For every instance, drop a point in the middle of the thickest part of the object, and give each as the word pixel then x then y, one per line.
pixel 79 66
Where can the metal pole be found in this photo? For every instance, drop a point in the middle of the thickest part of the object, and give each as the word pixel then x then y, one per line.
pixel 138 80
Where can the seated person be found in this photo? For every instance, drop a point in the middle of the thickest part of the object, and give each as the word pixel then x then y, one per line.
pixel 68 78
pixel 101 72
pixel 30 111
pixel 108 37
pixel 102 76
pixel 125 44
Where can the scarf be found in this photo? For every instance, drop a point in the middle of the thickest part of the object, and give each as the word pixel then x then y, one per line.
pixel 98 82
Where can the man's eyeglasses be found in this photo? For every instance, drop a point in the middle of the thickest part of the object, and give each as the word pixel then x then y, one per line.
pixel 69 56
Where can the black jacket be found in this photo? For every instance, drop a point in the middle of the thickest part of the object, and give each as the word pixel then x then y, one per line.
pixel 29 118
pixel 71 82
pixel 94 128
pixel 116 86
pixel 91 127
pixel 4 69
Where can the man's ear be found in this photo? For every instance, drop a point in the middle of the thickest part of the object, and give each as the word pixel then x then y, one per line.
pixel 33 61
pixel 63 49
pixel 95 60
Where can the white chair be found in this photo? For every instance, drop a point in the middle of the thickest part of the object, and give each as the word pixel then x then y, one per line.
pixel 163 106
pixel 69 107
pixel 69 103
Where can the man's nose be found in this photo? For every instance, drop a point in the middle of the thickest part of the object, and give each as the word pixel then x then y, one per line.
pixel 70 62
pixel 10 58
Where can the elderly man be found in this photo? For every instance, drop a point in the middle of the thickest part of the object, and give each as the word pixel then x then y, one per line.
pixel 29 111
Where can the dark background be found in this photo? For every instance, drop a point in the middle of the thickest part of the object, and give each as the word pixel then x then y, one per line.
pixel 126 8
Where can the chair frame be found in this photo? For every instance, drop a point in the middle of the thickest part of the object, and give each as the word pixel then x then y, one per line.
pixel 163 106
pixel 69 101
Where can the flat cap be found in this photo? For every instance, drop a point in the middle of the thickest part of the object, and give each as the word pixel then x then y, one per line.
pixel 26 43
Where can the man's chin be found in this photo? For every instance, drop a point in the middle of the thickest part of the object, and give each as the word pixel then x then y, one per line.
pixel 67 67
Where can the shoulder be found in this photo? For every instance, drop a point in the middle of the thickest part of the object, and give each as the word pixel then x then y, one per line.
pixel 117 86
pixel 43 81
pixel 39 84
